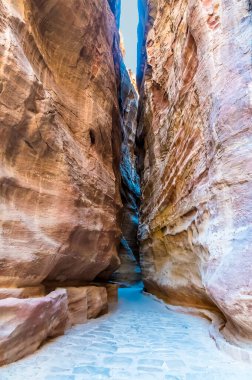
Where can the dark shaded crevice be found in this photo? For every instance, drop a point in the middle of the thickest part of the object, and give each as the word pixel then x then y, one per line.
pixel 128 181
pixel 92 136
pixel 132 152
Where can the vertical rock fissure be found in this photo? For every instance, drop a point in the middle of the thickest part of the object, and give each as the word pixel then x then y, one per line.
pixel 129 270
pixel 132 140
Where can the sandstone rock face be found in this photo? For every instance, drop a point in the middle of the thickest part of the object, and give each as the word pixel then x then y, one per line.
pixel 59 150
pixel 115 6
pixel 62 126
pixel 147 10
pixel 194 142
pixel 129 270
pixel 77 304
pixel 130 188
pixel 35 291
pixel 112 293
pixel 87 302
pixel 97 301
pixel 26 323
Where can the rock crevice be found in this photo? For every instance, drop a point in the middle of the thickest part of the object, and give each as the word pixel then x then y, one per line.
pixel 77 140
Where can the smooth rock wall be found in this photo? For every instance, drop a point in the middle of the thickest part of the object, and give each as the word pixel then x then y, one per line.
pixel 194 146
pixel 59 152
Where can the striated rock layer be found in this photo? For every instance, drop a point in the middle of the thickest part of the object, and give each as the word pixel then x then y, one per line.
pixel 86 303
pixel 60 154
pixel 59 151
pixel 194 143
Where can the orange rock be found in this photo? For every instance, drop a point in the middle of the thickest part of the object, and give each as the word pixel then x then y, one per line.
pixel 87 302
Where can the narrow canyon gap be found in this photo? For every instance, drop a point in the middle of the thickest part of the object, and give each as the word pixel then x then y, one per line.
pixel 129 271
pixel 79 140
pixel 128 28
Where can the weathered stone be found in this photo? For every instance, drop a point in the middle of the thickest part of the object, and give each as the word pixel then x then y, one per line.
pixel 36 291
pixel 87 302
pixel 115 6
pixel 59 149
pixel 129 271
pixel 26 323
pixel 97 301
pixel 194 148
pixel 77 304
pixel 112 293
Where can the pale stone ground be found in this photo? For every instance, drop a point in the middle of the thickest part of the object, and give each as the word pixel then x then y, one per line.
pixel 140 340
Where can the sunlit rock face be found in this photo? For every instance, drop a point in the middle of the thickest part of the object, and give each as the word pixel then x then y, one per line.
pixel 194 143
pixel 59 146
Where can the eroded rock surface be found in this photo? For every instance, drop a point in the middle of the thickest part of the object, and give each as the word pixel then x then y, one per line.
pixel 26 323
pixel 35 291
pixel 77 304
pixel 59 152
pixel 97 301
pixel 194 143
pixel 28 317
pixel 87 302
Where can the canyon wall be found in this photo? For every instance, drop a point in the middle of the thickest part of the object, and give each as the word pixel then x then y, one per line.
pixel 60 142
pixel 194 155
pixel 66 112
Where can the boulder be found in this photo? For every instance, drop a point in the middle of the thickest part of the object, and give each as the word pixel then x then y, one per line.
pixel 26 323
